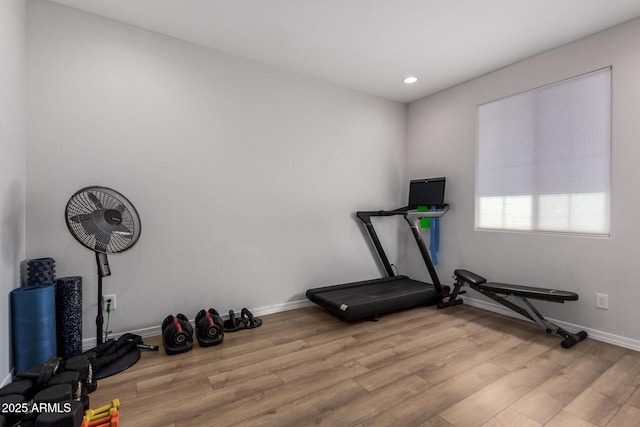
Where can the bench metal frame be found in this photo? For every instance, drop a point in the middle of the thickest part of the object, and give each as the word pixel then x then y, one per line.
pixel 498 294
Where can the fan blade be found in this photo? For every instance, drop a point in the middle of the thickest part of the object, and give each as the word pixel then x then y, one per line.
pixel 102 240
pixel 86 220
pixel 120 209
pixel 95 201
pixel 122 231
pixel 80 218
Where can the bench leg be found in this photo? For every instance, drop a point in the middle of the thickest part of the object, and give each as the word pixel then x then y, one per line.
pixel 452 299
pixel 570 339
pixel 535 315
pixel 530 312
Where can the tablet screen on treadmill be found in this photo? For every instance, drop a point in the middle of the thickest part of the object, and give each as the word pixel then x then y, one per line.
pixel 427 192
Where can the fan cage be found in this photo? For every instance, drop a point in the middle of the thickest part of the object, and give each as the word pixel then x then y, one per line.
pixel 81 204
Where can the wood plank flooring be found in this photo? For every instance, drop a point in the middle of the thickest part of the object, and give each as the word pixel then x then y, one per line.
pixel 461 367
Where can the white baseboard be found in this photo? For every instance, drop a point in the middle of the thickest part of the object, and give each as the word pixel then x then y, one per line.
pixel 277 308
pixel 153 331
pixel 593 333
pixel 7 379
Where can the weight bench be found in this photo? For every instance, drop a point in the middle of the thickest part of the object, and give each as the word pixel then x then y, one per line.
pixel 499 293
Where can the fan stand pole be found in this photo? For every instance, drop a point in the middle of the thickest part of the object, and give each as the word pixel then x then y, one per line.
pixel 128 359
pixel 103 270
pixel 100 317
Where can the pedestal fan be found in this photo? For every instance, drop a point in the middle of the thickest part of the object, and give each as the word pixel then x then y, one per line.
pixel 106 222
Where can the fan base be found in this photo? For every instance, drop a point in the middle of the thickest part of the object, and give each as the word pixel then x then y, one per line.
pixel 123 363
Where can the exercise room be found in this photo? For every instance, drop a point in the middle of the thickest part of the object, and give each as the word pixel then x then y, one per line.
pixel 286 213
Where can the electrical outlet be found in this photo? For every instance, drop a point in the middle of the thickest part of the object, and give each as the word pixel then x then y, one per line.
pixel 602 301
pixel 106 298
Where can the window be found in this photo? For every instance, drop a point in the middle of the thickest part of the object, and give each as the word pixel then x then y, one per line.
pixel 543 158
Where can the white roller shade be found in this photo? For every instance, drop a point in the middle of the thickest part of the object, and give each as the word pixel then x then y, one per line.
pixel 543 158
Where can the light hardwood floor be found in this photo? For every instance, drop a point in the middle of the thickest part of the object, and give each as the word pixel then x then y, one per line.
pixel 422 367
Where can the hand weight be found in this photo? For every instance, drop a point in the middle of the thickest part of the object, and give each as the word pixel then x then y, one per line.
pixel 209 328
pixel 177 334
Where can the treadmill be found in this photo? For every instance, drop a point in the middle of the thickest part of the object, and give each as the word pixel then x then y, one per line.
pixel 371 298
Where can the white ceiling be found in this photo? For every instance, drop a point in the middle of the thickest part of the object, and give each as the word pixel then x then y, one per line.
pixel 371 45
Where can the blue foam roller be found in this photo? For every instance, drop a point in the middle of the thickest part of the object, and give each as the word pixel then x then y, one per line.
pixel 33 323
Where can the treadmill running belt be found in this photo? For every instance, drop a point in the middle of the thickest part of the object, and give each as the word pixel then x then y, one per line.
pixel 369 298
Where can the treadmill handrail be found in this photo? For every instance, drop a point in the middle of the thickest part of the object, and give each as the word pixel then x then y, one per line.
pixel 365 217
pixel 428 214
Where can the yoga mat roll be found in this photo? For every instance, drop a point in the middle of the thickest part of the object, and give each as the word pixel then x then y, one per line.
pixel 69 316
pixel 33 324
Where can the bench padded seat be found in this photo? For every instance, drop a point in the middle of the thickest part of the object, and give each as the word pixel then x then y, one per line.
pixel 469 277
pixel 529 292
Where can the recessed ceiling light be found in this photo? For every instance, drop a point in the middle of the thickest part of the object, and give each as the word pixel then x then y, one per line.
pixel 410 80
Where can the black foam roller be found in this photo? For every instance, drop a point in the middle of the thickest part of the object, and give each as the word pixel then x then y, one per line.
pixel 41 270
pixel 69 316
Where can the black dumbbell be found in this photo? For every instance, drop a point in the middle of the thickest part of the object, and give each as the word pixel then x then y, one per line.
pixel 177 334
pixel 54 394
pixel 21 387
pixel 209 328
pixel 84 399
pixel 82 366
pixel 68 377
pixel 12 401
pixel 41 374
pixel 71 415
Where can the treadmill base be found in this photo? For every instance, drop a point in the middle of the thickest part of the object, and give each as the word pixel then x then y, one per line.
pixel 370 298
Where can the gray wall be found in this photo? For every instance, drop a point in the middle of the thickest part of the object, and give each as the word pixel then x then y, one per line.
pixel 245 176
pixel 441 141
pixel 12 162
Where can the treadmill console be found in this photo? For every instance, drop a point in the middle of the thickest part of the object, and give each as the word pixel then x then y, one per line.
pixel 427 192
